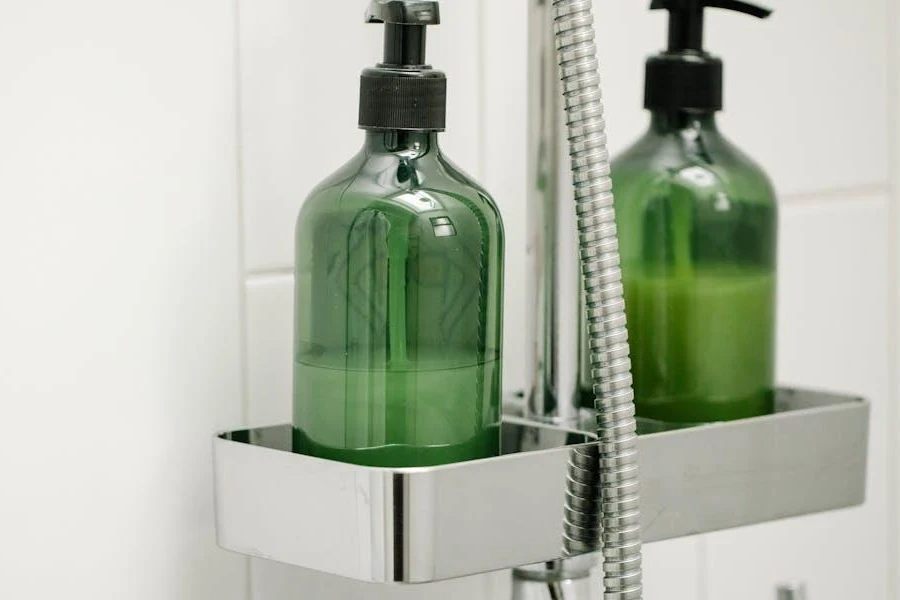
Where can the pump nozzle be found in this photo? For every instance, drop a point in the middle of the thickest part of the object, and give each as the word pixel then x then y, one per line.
pixel 404 12
pixel 686 19
pixel 404 31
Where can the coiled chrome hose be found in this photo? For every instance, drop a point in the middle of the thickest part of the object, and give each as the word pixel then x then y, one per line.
pixel 614 514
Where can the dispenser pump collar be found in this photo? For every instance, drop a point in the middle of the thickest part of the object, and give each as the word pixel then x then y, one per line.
pixel 685 77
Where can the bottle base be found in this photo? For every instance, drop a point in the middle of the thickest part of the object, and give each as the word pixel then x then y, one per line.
pixel 484 445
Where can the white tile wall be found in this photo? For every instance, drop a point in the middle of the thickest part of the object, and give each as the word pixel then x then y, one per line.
pixel 505 35
pixel 673 570
pixel 822 95
pixel 270 304
pixel 892 526
pixel 119 310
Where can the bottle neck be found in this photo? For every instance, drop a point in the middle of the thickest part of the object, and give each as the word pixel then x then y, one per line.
pixel 410 143
pixel 666 121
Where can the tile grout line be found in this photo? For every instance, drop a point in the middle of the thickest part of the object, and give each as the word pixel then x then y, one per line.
pixel 481 13
pixel 241 244
pixel 893 476
pixel 834 194
pixel 271 275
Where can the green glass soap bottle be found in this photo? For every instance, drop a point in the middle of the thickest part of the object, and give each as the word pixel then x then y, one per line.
pixel 398 281
pixel 697 223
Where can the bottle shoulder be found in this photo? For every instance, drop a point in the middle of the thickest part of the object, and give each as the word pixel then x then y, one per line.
pixel 417 187
pixel 700 161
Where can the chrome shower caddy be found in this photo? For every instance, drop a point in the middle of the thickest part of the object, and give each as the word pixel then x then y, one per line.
pixel 416 525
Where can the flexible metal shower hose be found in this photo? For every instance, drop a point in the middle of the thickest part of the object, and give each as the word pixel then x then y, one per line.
pixel 613 516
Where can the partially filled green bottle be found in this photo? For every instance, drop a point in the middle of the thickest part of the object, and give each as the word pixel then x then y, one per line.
pixel 398 290
pixel 697 222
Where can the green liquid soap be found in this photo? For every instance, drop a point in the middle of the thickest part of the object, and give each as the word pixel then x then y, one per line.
pixel 388 417
pixel 704 344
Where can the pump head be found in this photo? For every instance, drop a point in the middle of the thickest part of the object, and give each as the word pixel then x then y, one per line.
pixel 685 77
pixel 403 92
pixel 686 19
pixel 404 33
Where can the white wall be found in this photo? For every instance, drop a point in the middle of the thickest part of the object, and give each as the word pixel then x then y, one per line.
pixel 153 159
pixel 120 323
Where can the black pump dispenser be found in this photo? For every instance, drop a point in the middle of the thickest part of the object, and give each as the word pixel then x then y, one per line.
pixel 403 92
pixel 685 77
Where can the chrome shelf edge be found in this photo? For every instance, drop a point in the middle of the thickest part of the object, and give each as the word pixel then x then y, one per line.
pixel 427 524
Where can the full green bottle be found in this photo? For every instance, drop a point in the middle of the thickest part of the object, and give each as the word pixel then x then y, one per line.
pixel 398 290
pixel 697 221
